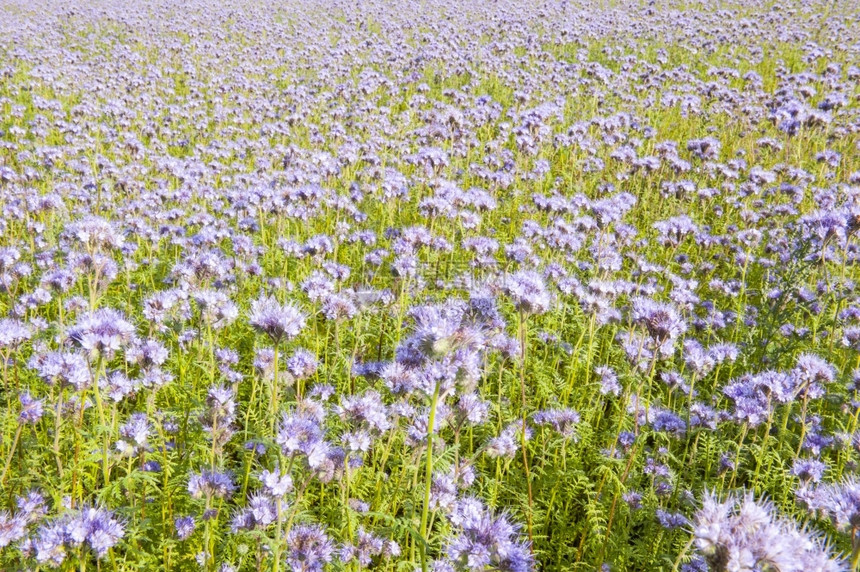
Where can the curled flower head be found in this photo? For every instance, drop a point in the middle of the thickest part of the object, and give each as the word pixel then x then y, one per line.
pixel 102 332
pixel 309 548
pixel 184 527
pixel 483 540
pixel 661 321
pixel 742 533
pixel 32 409
pixel 278 321
pixel 211 483
pixel 527 290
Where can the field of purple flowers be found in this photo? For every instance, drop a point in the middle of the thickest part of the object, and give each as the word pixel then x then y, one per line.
pixel 430 285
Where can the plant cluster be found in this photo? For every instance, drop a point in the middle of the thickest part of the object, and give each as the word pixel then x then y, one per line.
pixel 438 285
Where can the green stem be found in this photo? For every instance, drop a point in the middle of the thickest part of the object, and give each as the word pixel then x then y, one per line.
pixel 522 329
pixel 275 396
pixel 58 420
pixel 276 549
pixel 11 453
pixel 102 421
pixel 428 478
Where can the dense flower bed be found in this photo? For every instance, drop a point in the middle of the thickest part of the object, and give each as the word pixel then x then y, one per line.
pixel 439 285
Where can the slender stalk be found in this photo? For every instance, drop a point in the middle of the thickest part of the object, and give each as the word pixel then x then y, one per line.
pixel 428 478
pixel 11 453
pixel 276 549
pixel 207 533
pixel 522 332
pixel 275 393
pixel 58 423
pixel 102 420
pixel 683 553
pixel 738 454
pixel 855 549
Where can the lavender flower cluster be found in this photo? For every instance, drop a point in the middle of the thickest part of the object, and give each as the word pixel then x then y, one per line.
pixel 743 534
